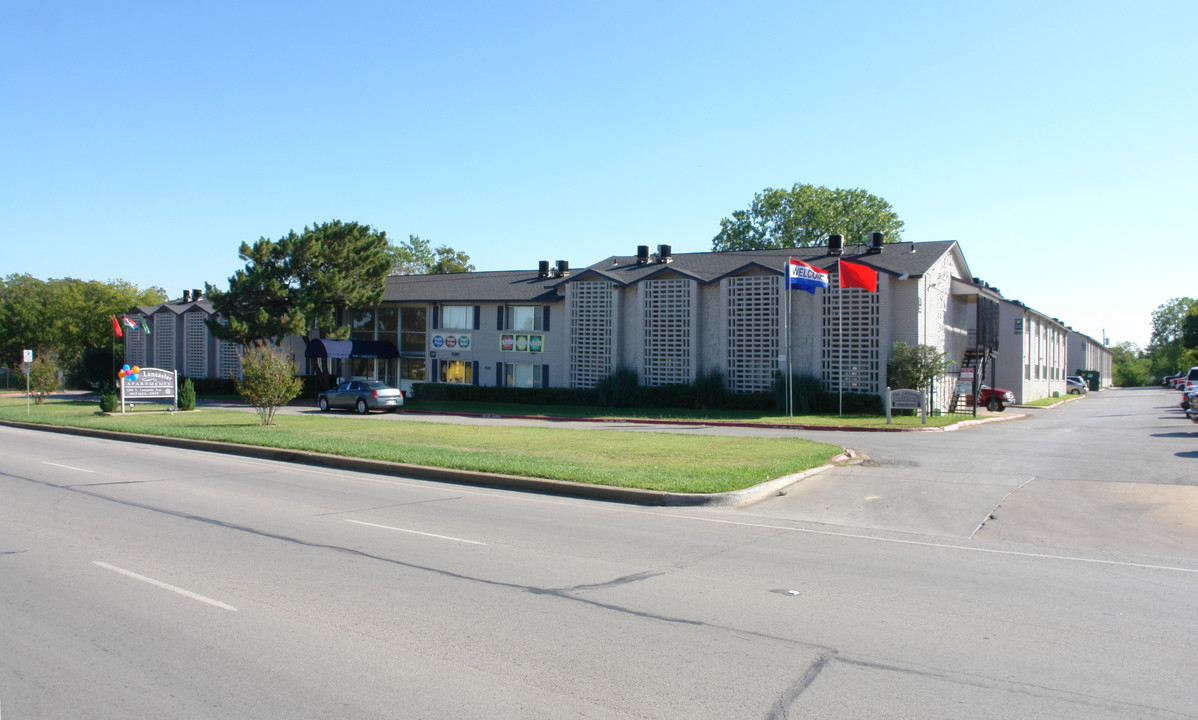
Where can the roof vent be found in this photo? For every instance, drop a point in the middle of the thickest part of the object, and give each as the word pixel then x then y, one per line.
pixel 664 254
pixel 543 269
pixel 186 296
pixel 563 268
pixel 876 240
pixel 835 244
pixel 642 254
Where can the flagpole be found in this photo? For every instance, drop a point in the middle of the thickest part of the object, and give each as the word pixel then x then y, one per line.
pixel 790 412
pixel 840 339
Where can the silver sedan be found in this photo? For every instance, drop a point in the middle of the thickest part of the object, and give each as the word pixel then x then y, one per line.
pixel 361 395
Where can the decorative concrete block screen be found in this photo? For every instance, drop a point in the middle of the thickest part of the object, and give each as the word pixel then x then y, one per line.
pixel 195 345
pixel 753 319
pixel 668 331
pixel 591 328
pixel 164 340
pixel 850 359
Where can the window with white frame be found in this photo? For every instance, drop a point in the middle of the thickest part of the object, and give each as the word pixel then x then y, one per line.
pixel 667 331
pixel 753 326
pixel 524 375
pixel 523 318
pixel 591 309
pixel 850 360
pixel 458 372
pixel 195 345
pixel 457 317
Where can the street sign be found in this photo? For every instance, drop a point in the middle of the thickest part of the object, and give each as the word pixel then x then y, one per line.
pixel 25 367
pixel 28 356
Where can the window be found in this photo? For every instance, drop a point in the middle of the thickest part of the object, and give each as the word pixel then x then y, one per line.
pixel 387 324
pixel 362 325
pixel 523 375
pixel 457 317
pixel 413 327
pixel 412 369
pixel 525 318
pixel 458 372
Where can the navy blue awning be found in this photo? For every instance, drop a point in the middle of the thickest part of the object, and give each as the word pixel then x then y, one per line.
pixel 342 349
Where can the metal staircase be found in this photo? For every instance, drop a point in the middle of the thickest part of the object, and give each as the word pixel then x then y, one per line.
pixel 975 359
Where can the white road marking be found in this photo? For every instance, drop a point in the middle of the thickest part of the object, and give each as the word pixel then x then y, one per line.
pixel 414 532
pixel 68 467
pixel 945 546
pixel 164 586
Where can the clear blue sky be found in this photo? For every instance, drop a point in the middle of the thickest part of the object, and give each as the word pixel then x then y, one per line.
pixel 1054 140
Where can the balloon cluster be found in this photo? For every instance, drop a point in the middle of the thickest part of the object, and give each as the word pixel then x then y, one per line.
pixel 129 372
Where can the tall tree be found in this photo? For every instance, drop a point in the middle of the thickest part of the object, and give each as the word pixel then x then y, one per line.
pixel 804 216
pixel 417 257
pixel 1168 321
pixel 66 315
pixel 451 261
pixel 1166 346
pixel 302 284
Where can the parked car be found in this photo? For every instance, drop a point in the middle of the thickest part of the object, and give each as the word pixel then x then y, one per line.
pixel 1167 381
pixel 993 399
pixel 1191 405
pixel 361 395
pixel 1076 385
pixel 1191 380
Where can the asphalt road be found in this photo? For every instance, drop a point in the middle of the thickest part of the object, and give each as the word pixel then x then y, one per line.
pixel 139 581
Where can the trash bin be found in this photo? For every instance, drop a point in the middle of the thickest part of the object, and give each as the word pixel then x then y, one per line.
pixel 1091 378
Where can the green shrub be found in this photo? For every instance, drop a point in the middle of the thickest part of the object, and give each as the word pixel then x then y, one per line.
pixel 710 391
pixel 617 390
pixel 43 376
pixel 268 379
pixel 187 395
pixel 109 400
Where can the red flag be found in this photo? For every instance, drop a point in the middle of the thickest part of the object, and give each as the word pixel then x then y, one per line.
pixel 858 276
pixel 116 327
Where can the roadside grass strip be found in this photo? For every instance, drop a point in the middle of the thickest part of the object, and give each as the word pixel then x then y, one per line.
pixel 652 461
pixel 679 414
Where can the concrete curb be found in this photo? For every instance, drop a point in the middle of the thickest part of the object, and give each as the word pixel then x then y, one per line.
pixel 634 496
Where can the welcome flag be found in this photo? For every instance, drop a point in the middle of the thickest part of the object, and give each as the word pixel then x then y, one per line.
pixel 804 277
pixel 145 327
pixel 858 276
pixel 128 323
pixel 116 327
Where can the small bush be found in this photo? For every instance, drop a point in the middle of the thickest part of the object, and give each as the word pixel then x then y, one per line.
pixel 617 390
pixel 710 391
pixel 109 400
pixel 43 377
pixel 187 395
pixel 268 379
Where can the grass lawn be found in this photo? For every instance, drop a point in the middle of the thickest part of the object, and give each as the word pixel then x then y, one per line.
pixel 654 461
pixel 740 416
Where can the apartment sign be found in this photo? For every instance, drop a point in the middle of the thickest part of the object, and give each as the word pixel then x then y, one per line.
pixel 452 341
